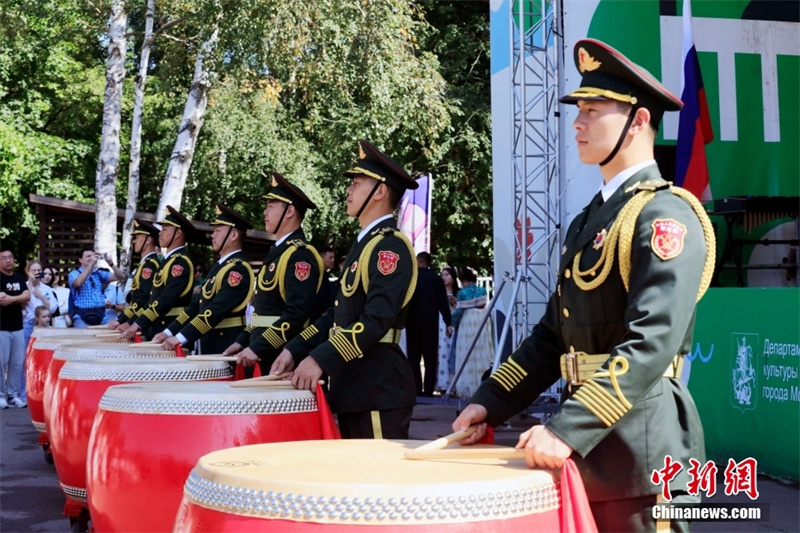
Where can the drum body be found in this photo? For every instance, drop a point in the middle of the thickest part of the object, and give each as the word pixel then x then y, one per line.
pixel 147 438
pixel 77 393
pixel 37 362
pixel 363 486
pixel 81 350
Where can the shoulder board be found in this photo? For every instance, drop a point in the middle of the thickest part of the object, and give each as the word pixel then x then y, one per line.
pixel 298 242
pixel 383 231
pixel 653 184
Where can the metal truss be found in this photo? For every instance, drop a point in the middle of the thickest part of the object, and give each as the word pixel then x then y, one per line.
pixel 537 59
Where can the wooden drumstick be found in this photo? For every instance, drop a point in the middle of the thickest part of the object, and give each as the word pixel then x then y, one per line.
pixel 262 383
pixel 145 343
pixel 447 440
pixel 107 335
pixel 100 326
pixel 465 454
pixel 211 358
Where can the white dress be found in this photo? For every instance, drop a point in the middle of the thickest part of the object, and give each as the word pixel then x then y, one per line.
pixel 442 374
pixel 482 356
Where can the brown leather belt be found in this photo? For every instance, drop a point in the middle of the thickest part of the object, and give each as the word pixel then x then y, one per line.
pixel 578 367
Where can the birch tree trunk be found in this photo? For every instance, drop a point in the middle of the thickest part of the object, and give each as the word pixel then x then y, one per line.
pixel 136 138
pixel 105 233
pixel 193 116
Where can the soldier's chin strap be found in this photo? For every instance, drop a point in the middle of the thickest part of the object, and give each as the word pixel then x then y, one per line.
pixel 173 237
pixel 621 137
pixel 280 221
pixel 144 242
pixel 369 197
pixel 228 234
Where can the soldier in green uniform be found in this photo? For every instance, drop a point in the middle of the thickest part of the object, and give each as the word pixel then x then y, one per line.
pixel 172 284
pixel 145 238
pixel 287 283
pixel 217 318
pixel 634 264
pixel 371 384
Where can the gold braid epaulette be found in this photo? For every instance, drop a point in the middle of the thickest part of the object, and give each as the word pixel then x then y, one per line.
pixel 620 238
pixel 283 262
pixel 362 274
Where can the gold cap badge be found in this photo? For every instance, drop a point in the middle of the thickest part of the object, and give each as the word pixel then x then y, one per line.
pixel 274 182
pixel 587 63
pixel 219 211
pixel 361 153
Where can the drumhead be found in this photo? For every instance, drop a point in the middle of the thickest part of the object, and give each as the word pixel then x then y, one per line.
pixel 205 398
pixel 54 342
pixel 78 351
pixel 144 369
pixel 40 333
pixel 366 481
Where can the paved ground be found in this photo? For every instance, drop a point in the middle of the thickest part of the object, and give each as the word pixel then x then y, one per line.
pixel 31 501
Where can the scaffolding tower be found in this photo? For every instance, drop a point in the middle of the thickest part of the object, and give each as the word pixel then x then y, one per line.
pixel 537 77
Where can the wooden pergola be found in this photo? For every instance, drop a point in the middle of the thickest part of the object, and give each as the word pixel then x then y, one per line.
pixel 66 227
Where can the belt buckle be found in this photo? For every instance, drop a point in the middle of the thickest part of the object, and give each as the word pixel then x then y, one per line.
pixel 573 376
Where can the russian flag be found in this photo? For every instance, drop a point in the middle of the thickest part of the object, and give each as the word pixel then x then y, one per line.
pixel 694 123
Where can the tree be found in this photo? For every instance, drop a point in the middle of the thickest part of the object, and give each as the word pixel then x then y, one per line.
pixel 105 233
pixel 51 85
pixel 139 83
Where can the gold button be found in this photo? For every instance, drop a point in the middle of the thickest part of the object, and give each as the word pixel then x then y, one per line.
pixel 571 349
pixel 558 288
pixel 336 303
pixel 567 273
pixel 566 312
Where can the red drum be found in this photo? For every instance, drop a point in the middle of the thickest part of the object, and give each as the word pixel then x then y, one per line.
pixel 363 485
pixel 80 351
pixel 37 362
pixel 147 438
pixel 77 393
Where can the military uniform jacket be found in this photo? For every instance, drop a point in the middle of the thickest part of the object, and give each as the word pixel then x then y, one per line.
pixel 224 295
pixel 627 417
pixel 172 289
pixel 140 288
pixel 286 287
pixel 378 280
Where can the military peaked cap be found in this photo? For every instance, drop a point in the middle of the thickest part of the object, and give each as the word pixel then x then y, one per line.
pixel 284 191
pixel 377 165
pixel 143 227
pixel 609 75
pixel 174 218
pixel 228 217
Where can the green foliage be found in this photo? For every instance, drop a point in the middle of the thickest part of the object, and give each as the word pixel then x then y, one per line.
pixel 50 92
pixel 296 84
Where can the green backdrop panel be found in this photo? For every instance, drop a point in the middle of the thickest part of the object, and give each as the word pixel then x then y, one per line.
pixel 744 376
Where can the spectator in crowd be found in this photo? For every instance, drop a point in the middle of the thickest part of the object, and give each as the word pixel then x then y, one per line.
pixel 327 291
pixel 447 361
pixel 199 280
pixel 115 301
pixel 41 295
pixel 471 307
pixel 86 284
pixel 52 278
pixel 14 295
pixel 422 325
pixel 41 317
